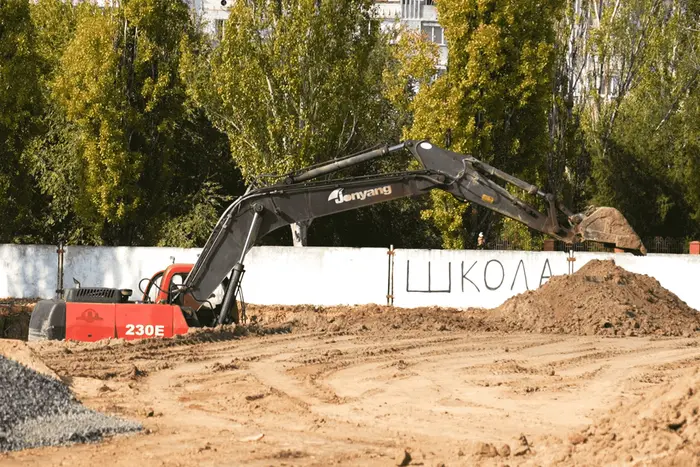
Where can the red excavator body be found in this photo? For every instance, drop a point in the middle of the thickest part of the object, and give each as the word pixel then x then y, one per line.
pixel 93 313
pixel 96 321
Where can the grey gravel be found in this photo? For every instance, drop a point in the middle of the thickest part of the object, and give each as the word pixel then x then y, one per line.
pixel 37 410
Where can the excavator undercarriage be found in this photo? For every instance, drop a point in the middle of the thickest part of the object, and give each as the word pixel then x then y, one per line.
pixel 301 196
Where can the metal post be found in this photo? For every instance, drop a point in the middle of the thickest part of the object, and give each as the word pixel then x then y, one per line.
pixel 390 278
pixel 228 306
pixel 59 272
pixel 571 257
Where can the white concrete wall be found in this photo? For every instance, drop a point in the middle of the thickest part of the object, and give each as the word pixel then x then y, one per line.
pixel 27 271
pixel 468 278
pixel 315 275
pixel 338 276
pixel 120 267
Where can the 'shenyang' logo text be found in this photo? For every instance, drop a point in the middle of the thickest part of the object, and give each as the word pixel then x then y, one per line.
pixel 338 195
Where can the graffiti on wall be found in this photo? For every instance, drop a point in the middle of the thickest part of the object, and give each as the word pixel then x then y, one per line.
pixel 491 274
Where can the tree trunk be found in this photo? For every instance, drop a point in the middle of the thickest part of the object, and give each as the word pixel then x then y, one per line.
pixel 300 231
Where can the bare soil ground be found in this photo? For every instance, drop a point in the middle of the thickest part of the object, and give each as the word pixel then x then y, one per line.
pixel 376 386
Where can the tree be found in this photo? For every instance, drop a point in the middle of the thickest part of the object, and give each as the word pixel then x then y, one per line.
pixel 50 157
pixel 19 103
pixel 132 152
pixel 568 161
pixel 641 113
pixel 493 100
pixel 292 83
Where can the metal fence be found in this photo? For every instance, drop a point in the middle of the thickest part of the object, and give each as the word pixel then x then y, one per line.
pixel 670 245
pixel 504 244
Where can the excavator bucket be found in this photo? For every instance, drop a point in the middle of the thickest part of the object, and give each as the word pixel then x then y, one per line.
pixel 608 225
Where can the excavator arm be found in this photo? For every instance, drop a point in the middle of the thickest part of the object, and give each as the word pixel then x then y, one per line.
pixel 299 198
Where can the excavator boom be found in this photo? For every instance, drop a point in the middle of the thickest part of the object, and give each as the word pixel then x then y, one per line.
pixel 298 198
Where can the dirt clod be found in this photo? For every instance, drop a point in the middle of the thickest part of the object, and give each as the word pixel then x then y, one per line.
pixel 403 458
pixel 504 450
pixel 577 438
pixel 485 449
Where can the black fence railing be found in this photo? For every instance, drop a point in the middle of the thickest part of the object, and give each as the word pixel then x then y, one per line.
pixel 504 244
pixel 670 245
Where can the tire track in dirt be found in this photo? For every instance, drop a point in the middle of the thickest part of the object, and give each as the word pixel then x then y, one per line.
pixel 352 398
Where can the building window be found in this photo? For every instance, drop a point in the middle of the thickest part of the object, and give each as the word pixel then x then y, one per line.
pixel 434 33
pixel 219 25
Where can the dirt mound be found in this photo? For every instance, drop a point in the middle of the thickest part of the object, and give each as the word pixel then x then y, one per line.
pixel 14 317
pixel 660 428
pixel 601 298
pixel 363 318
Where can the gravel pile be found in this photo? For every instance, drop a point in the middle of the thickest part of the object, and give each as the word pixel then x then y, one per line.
pixel 36 410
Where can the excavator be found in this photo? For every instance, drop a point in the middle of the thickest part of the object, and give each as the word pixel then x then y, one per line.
pixel 170 307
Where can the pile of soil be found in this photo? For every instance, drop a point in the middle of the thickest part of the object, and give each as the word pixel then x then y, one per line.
pixel 364 318
pixel 601 298
pixel 660 428
pixel 14 317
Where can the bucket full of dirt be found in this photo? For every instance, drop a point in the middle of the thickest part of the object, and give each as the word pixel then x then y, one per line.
pixel 600 299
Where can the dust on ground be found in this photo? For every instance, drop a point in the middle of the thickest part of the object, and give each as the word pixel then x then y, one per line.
pixel 380 386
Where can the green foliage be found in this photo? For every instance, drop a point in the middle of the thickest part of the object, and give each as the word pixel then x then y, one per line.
pixel 117 88
pixel 412 65
pixel 192 228
pixel 446 213
pixel 493 100
pixel 293 82
pixel 128 125
pixel 297 82
pixel 118 123
pixel 644 140
pixel 19 102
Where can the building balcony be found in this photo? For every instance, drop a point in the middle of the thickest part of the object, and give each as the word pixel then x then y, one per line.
pixel 423 10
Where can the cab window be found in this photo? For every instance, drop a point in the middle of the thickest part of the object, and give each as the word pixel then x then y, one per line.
pixel 177 280
pixel 154 287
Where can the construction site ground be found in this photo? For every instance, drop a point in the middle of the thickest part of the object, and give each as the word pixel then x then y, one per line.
pixel 380 386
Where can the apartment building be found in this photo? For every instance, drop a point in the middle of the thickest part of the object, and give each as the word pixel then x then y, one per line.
pixel 212 12
pixel 417 15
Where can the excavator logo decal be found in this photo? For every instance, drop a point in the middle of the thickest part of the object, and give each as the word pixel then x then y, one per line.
pixel 339 196
pixel 89 316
